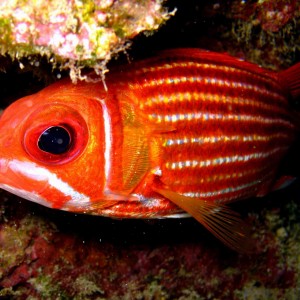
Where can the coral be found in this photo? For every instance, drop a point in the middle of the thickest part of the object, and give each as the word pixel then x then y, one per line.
pixel 49 254
pixel 76 33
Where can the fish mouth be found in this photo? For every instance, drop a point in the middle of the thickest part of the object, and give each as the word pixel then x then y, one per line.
pixel 36 183
pixel 33 197
pixel 12 179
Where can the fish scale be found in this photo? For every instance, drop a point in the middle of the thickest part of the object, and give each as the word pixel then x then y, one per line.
pixel 182 133
pixel 179 93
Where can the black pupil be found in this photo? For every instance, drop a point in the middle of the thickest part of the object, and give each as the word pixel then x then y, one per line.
pixel 55 140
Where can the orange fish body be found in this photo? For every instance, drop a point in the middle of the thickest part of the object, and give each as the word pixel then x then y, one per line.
pixel 184 132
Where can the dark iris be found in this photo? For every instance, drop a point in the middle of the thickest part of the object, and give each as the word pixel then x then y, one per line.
pixel 55 140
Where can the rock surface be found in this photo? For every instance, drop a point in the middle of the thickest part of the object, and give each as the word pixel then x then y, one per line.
pixel 49 254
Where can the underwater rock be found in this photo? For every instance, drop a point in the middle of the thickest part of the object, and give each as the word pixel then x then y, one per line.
pixel 75 33
pixel 56 255
pixel 49 254
pixel 266 30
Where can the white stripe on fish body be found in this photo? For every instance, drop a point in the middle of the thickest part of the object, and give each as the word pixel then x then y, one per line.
pixel 223 139
pixel 209 81
pixel 220 176
pixel 157 100
pixel 231 192
pixel 221 160
pixel 221 192
pixel 207 116
pixel 202 67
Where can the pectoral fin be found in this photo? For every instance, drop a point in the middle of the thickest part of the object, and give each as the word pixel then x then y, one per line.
pixel 220 220
pixel 283 182
pixel 141 148
pixel 135 160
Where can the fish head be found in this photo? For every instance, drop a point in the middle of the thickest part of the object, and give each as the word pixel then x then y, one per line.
pixel 52 145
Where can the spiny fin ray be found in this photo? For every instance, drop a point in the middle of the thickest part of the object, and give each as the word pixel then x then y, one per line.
pixel 220 220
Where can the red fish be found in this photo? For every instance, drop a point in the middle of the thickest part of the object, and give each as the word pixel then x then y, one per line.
pixel 183 133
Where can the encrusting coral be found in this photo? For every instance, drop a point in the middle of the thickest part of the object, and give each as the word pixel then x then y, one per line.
pixel 75 33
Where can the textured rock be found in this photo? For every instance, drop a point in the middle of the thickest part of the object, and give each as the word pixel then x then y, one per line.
pixel 48 254
pixel 76 33
pixel 56 255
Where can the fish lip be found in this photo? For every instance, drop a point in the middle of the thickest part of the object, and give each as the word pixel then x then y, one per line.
pixel 12 179
pixel 13 182
pixel 25 195
pixel 3 164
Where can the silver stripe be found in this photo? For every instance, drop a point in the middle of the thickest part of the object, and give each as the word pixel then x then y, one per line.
pixel 181 97
pixel 222 191
pixel 208 81
pixel 222 138
pixel 222 117
pixel 220 176
pixel 220 160
pixel 206 66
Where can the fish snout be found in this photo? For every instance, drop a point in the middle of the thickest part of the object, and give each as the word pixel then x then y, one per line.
pixel 3 170
pixel 18 179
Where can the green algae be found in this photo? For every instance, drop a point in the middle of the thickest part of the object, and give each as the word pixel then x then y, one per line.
pixel 268 48
pixel 17 238
pixel 85 286
pixel 46 288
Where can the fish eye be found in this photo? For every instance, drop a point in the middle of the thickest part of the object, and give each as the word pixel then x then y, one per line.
pixel 55 140
pixel 55 134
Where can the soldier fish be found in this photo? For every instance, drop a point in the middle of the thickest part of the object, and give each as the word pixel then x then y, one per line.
pixel 181 134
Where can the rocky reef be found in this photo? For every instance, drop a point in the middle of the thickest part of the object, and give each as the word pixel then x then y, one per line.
pixel 76 34
pixel 50 254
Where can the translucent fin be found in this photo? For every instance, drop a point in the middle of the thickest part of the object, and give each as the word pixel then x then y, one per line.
pixel 135 162
pixel 283 182
pixel 220 220
pixel 141 149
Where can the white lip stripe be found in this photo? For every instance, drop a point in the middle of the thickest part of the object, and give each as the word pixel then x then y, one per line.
pixel 33 171
pixel 220 160
pixel 206 116
pixel 223 138
pixel 206 66
pixel 31 196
